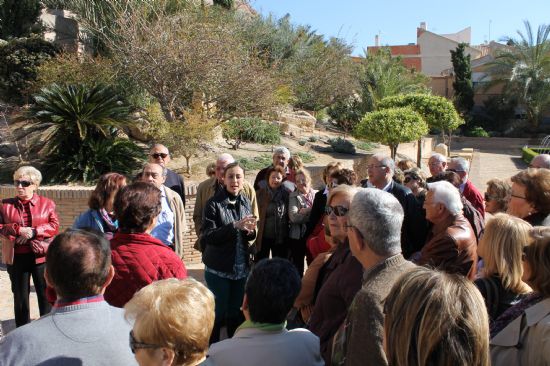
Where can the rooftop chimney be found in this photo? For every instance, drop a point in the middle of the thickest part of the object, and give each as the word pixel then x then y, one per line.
pixel 423 26
pixel 376 40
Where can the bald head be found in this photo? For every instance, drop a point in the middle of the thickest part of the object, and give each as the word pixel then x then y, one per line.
pixel 223 161
pixel 541 161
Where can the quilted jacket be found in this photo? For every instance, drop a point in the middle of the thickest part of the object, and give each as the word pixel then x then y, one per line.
pixel 139 259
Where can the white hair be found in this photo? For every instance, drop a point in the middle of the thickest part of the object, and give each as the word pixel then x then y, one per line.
pixel 378 216
pixel 446 194
pixel 542 161
pixel 281 150
pixel 30 171
pixel 225 157
pixel 461 163
pixel 385 161
pixel 439 157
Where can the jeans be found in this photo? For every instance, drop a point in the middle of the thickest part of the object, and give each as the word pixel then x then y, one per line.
pixel 298 254
pixel 229 298
pixel 20 272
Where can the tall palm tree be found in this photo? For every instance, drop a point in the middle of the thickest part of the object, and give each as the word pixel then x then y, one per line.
pixel 523 69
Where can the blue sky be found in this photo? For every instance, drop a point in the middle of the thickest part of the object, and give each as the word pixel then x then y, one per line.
pixel 396 20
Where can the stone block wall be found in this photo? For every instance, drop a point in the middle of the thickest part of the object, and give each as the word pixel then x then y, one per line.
pixel 72 201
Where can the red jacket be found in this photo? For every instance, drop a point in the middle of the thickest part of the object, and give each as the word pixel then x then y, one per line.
pixel 139 259
pixel 472 194
pixel 43 217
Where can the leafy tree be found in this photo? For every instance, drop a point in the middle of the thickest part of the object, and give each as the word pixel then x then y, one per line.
pixel 391 127
pixel 523 70
pixel 228 4
pixel 19 62
pixel 80 125
pixel 438 112
pixel 383 75
pixel 18 18
pixel 463 87
pixel 346 112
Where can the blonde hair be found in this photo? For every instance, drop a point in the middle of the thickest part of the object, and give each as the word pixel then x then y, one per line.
pixel 436 318
pixel 537 255
pixel 305 173
pixel 30 171
pixel 342 190
pixel 503 242
pixel 211 170
pixel 177 314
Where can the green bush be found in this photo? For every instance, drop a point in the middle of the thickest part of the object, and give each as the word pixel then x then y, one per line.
pixel 306 157
pixel 364 145
pixel 312 139
pixel 19 61
pixel 341 145
pixel 80 125
pixel 257 162
pixel 240 130
pixel 302 142
pixel 528 153
pixel 476 131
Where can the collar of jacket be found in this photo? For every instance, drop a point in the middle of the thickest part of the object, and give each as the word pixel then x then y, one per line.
pixel 510 335
pixel 33 200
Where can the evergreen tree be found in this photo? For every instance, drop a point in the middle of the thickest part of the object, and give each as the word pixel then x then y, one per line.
pixel 228 4
pixel 463 87
pixel 18 18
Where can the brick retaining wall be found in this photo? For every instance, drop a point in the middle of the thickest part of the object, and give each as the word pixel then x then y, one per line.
pixel 72 201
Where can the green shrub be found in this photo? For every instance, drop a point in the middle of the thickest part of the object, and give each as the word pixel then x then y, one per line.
pixel 19 61
pixel 306 157
pixel 302 142
pixel 527 154
pixel 80 125
pixel 341 145
pixel 257 162
pixel 312 139
pixel 364 145
pixel 240 130
pixel 476 131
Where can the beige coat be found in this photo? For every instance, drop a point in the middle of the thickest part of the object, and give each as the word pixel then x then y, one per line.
pixel 180 222
pixel 526 340
pixel 205 191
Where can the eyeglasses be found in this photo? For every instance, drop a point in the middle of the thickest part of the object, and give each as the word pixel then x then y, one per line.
pixel 371 166
pixel 516 196
pixel 488 197
pixel 23 183
pixel 456 170
pixel 159 155
pixel 338 211
pixel 134 345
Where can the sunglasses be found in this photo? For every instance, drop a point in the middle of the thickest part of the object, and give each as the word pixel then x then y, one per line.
pixel 159 155
pixel 134 345
pixel 23 183
pixel 338 211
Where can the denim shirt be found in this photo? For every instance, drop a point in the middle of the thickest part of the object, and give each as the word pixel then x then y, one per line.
pixel 164 229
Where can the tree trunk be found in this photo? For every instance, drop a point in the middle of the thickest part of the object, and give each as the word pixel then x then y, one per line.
pixel 419 154
pixel 187 163
pixel 393 149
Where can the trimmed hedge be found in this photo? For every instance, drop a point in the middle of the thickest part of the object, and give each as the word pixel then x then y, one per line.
pixel 528 153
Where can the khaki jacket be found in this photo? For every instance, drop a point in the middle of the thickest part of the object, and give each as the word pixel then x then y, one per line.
pixel 180 223
pixel 205 191
pixel 526 340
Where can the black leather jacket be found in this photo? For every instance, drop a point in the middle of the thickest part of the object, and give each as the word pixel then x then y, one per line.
pixel 219 238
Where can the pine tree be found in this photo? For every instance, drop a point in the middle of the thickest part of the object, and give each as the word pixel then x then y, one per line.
pixel 18 18
pixel 463 87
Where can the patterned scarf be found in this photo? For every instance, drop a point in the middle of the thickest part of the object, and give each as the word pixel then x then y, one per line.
pixel 512 313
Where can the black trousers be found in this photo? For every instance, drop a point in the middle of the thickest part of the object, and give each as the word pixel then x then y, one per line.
pixel 298 253
pixel 20 272
pixel 277 250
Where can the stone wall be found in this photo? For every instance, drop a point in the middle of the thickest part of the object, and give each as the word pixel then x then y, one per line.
pixel 72 201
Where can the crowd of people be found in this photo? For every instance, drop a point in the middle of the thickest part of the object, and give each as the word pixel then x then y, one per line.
pixel 394 268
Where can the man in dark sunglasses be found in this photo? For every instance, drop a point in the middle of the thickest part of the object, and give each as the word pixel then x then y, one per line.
pixel 82 328
pixel 159 154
